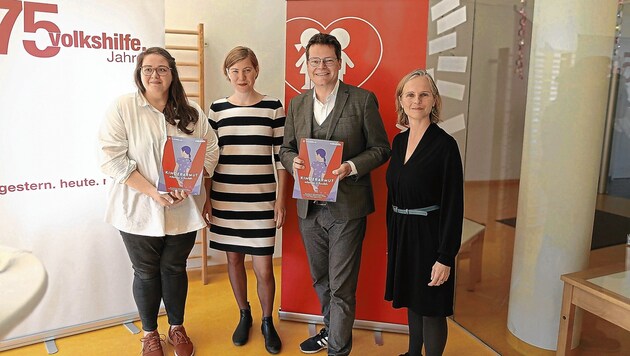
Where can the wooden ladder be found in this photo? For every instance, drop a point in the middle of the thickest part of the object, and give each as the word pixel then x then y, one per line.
pixel 187 46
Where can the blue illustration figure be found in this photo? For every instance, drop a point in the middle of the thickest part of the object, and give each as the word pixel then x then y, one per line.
pixel 318 168
pixel 183 164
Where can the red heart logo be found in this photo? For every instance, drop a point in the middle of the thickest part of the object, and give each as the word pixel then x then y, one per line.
pixel 361 49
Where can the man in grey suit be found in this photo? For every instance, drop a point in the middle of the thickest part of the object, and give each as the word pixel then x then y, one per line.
pixel 333 232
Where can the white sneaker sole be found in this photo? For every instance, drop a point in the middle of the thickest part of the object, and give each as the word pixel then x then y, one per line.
pixel 314 352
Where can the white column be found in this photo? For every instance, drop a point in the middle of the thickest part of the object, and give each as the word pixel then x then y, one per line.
pixel 572 45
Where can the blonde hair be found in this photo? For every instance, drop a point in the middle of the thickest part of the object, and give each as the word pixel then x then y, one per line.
pixel 435 110
pixel 236 55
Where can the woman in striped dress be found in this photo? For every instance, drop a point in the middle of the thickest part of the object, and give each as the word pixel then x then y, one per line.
pixel 246 211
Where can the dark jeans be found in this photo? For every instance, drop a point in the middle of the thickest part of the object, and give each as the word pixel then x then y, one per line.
pixel 159 265
pixel 333 248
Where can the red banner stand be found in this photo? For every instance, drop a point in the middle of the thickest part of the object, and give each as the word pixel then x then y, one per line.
pixel 382 41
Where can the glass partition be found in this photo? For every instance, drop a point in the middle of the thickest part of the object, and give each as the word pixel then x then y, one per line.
pixel 496 46
pixel 499 54
pixel 618 177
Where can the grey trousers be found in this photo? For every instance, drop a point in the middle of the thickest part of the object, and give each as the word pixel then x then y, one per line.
pixel 333 248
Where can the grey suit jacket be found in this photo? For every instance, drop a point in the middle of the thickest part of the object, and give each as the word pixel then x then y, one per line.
pixel 355 120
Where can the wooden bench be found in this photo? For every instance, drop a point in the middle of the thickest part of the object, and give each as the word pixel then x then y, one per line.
pixel 472 248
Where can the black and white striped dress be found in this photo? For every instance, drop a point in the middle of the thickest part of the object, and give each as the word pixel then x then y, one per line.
pixel 244 186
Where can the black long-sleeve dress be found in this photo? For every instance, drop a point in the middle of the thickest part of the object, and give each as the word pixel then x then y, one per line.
pixel 433 175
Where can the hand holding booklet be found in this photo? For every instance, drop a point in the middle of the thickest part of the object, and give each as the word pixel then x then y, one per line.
pixel 316 181
pixel 182 165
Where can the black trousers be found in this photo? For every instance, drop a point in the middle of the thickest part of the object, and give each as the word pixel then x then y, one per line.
pixel 159 265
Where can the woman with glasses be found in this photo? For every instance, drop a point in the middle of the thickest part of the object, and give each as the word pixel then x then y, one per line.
pixel 158 229
pixel 247 203
pixel 425 207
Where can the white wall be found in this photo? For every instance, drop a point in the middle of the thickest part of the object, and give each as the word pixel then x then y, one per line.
pixel 259 25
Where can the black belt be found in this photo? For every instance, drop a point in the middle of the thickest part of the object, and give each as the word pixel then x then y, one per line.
pixel 420 211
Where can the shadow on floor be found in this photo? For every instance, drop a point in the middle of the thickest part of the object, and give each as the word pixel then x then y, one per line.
pixel 608 229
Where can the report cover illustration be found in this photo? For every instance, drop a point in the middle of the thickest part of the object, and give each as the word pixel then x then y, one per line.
pixel 182 165
pixel 316 181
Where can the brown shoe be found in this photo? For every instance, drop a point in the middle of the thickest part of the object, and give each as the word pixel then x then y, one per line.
pixel 152 344
pixel 180 341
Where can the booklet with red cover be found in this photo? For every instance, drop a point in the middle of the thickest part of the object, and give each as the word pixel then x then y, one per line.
pixel 316 181
pixel 182 165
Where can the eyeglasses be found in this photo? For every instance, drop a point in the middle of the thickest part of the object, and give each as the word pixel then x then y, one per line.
pixel 161 70
pixel 315 62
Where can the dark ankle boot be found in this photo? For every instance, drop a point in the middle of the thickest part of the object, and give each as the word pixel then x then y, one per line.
pixel 241 334
pixel 272 340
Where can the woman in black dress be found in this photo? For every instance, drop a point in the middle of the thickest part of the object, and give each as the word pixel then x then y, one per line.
pixel 425 207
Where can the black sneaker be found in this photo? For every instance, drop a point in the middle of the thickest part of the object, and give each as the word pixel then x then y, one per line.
pixel 316 343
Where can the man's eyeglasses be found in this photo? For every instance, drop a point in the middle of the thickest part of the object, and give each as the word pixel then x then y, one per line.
pixel 315 62
pixel 161 70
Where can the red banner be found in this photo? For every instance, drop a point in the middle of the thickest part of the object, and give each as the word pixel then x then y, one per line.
pixel 382 40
